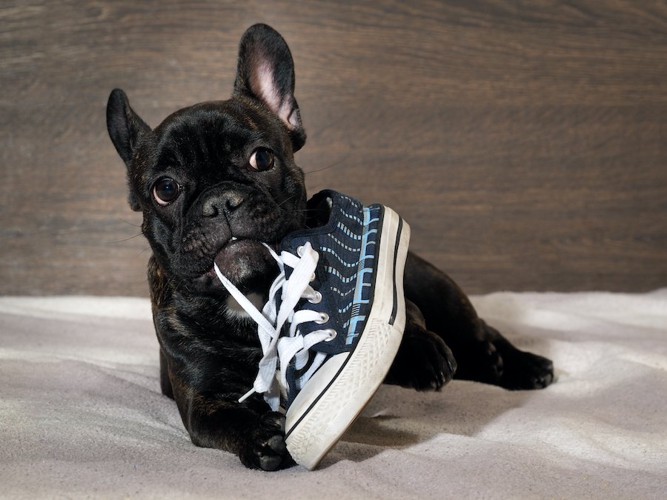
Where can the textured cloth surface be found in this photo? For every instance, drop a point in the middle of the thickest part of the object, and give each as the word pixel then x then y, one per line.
pixel 81 414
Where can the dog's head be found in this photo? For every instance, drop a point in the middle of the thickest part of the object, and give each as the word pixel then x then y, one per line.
pixel 217 179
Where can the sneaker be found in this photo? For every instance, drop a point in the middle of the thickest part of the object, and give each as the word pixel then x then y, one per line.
pixel 334 320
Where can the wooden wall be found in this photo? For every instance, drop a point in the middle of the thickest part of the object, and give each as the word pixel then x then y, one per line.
pixel 523 140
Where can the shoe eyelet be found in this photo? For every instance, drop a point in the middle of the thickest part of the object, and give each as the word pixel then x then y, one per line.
pixel 315 299
pixel 324 317
pixel 300 250
pixel 332 335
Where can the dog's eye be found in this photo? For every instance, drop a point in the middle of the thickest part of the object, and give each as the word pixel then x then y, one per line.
pixel 261 159
pixel 166 190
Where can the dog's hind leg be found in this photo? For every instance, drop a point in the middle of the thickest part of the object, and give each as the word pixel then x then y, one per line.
pixel 481 352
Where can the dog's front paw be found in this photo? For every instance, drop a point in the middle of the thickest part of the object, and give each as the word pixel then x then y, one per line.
pixel 266 448
pixel 424 362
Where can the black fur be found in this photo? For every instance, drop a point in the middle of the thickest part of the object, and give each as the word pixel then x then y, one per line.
pixel 225 169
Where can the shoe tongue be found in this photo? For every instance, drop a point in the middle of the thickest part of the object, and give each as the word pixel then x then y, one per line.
pixel 319 208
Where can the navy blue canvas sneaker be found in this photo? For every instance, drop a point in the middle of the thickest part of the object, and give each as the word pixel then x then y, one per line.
pixel 334 319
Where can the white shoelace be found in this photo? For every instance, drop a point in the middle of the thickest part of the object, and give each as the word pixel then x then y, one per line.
pixel 279 351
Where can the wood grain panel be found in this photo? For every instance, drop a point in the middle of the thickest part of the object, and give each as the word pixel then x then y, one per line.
pixel 523 141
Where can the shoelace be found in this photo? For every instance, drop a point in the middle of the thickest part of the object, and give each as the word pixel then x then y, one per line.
pixel 279 351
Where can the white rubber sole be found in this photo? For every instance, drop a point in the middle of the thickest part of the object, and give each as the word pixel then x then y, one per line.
pixel 333 398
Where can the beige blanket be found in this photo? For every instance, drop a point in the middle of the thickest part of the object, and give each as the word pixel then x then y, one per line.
pixel 81 414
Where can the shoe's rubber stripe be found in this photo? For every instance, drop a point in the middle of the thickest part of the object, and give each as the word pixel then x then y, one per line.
pixel 394 311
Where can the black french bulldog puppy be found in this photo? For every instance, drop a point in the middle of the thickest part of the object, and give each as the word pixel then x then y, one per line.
pixel 213 181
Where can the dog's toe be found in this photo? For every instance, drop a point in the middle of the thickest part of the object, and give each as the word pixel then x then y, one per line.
pixel 270 462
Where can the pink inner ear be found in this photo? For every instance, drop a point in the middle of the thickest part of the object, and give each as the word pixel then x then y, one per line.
pixel 293 122
pixel 266 89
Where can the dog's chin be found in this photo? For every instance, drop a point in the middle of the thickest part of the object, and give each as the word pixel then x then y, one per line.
pixel 246 263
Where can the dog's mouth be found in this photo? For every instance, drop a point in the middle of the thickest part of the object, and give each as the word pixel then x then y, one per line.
pixel 239 259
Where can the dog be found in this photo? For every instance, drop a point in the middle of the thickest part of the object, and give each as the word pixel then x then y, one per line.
pixel 215 181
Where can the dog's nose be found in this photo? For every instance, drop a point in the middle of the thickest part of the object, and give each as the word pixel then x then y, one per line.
pixel 222 203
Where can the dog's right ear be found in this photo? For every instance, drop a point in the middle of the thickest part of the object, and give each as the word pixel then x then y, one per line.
pixel 125 128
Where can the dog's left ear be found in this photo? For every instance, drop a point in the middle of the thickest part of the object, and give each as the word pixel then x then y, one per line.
pixel 266 72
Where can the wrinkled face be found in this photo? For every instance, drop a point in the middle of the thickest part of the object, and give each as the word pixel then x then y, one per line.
pixel 214 182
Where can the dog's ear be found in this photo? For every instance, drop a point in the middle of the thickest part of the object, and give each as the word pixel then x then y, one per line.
pixel 125 127
pixel 266 72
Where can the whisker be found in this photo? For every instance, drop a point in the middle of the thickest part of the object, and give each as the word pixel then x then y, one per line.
pixel 124 240
pixel 285 201
pixel 335 164
pixel 130 223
